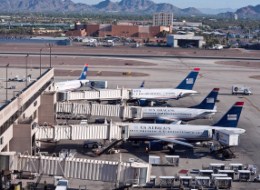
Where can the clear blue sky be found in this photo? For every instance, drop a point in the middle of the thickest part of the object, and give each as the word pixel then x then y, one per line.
pixel 234 4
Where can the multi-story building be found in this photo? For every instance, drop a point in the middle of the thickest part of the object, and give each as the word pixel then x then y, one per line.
pixel 162 19
pixel 127 31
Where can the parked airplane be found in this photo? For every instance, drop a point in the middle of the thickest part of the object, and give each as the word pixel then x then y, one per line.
pixel 204 110
pixel 18 79
pixel 144 95
pixel 73 84
pixel 187 134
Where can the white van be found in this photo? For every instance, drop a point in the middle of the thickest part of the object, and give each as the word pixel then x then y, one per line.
pixel 62 184
pixel 241 89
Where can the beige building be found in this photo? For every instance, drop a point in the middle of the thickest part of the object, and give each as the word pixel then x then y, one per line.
pixel 19 117
pixel 162 19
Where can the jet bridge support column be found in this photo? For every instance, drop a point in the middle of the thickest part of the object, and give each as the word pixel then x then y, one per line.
pixel 125 132
pixel 122 112
pixel 109 130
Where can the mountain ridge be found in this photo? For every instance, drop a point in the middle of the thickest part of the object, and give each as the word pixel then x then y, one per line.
pixel 122 6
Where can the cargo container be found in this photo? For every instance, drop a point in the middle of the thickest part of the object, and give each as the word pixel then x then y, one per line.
pixel 244 175
pixel 222 182
pixel 166 181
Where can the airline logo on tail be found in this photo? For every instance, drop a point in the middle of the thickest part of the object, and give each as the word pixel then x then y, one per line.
pixel 210 100
pixel 189 81
pixel 232 117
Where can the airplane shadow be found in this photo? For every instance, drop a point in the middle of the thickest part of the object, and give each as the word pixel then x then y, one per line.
pixel 139 151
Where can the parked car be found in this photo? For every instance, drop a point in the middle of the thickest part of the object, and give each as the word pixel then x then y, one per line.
pixel 92 144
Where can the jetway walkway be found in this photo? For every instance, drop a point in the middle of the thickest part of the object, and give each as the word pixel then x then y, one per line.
pixel 110 131
pixel 89 109
pixel 100 94
pixel 78 168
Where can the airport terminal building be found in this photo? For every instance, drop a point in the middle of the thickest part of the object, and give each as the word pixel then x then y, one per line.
pixel 20 116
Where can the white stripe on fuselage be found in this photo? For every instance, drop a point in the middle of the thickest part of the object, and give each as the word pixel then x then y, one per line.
pixel 176 131
pixel 175 113
pixel 161 94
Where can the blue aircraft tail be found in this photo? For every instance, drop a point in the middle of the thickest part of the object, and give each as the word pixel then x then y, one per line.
pixel 210 100
pixel 230 119
pixel 83 74
pixel 142 84
pixel 189 81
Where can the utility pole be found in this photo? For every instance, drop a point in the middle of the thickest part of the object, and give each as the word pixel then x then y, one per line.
pixel 50 46
pixel 26 66
pixel 41 61
pixel 6 82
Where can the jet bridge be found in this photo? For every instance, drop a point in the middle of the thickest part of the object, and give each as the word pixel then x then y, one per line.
pixel 90 109
pixel 100 95
pixel 78 168
pixel 109 131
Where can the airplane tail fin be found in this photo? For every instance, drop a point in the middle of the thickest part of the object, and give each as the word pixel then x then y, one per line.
pixel 189 81
pixel 142 84
pixel 210 100
pixel 231 118
pixel 83 74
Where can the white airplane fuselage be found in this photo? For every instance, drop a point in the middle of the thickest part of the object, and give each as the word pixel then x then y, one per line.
pixel 160 93
pixel 185 132
pixel 172 113
pixel 69 85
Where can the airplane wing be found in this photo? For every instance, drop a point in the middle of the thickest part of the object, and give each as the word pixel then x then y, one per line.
pixel 173 121
pixel 207 113
pixel 177 122
pixel 167 119
pixel 173 140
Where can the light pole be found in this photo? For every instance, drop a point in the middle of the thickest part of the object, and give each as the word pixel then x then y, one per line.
pixel 50 46
pixel 41 61
pixel 6 83
pixel 26 64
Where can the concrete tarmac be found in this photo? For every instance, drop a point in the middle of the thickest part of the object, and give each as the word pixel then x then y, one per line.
pixel 168 72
